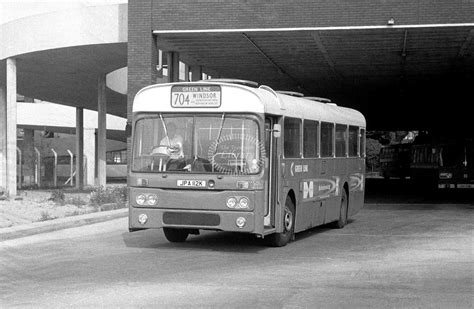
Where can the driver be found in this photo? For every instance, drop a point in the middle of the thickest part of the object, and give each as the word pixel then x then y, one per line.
pixel 171 144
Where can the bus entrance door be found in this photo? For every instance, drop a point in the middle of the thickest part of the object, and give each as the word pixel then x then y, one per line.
pixel 271 171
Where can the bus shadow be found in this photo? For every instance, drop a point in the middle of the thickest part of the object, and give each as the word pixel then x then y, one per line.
pixel 317 230
pixel 207 240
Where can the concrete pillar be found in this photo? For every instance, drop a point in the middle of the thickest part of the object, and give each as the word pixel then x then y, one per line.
pixel 196 72
pixel 173 66
pixel 3 139
pixel 186 73
pixel 101 132
pixel 29 157
pixel 79 148
pixel 11 127
pixel 89 152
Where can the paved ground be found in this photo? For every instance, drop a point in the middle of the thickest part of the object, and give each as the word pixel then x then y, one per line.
pixel 412 255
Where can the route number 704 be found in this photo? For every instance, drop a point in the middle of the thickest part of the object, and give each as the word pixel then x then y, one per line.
pixel 180 99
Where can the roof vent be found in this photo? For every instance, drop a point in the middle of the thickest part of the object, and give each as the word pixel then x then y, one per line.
pixel 243 82
pixel 291 93
pixel 319 99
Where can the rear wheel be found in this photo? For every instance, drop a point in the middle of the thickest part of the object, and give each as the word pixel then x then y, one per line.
pixel 339 224
pixel 281 239
pixel 175 235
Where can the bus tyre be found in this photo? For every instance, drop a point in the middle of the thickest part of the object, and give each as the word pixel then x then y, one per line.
pixel 175 235
pixel 339 224
pixel 281 239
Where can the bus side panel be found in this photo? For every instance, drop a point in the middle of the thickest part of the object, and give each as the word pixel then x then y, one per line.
pixel 336 167
pixel 309 210
pixel 356 185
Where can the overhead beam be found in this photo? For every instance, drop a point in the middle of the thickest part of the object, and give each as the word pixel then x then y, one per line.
pixel 247 30
pixel 465 46
pixel 317 39
pixel 280 69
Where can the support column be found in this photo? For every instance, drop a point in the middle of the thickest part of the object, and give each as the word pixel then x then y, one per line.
pixel 11 127
pixel 173 66
pixel 186 73
pixel 89 152
pixel 29 157
pixel 101 132
pixel 196 72
pixel 79 148
pixel 3 139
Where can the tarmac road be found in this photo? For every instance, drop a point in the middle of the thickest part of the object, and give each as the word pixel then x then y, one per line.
pixel 390 255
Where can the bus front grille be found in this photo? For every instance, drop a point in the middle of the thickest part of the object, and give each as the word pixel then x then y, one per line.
pixel 187 218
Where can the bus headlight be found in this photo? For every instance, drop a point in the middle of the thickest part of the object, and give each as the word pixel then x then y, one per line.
pixel 231 202
pixel 152 199
pixel 244 202
pixel 140 199
pixel 445 175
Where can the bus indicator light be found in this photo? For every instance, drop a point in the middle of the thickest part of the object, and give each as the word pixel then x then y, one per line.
pixel 243 184
pixel 142 218
pixel 211 184
pixel 240 222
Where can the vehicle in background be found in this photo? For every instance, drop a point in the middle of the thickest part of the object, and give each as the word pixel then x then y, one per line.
pixel 446 165
pixel 395 161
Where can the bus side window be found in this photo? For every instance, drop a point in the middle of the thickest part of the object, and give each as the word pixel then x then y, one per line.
pixel 310 139
pixel 341 138
pixel 353 134
pixel 327 130
pixel 362 143
pixel 292 138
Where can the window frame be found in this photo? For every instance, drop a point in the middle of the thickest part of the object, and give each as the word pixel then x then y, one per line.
pixel 345 140
pixel 332 138
pixel 300 138
pixel 317 150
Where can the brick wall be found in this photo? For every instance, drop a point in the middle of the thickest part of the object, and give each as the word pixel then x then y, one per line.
pixel 147 15
pixel 208 14
pixel 142 57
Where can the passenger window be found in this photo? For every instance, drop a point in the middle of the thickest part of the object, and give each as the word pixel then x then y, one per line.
pixel 310 139
pixel 327 134
pixel 353 137
pixel 341 138
pixel 292 137
pixel 362 143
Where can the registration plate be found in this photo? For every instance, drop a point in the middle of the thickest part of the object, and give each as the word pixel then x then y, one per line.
pixel 195 96
pixel 191 183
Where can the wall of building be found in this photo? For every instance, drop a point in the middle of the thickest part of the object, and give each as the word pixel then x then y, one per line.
pixel 211 14
pixel 147 15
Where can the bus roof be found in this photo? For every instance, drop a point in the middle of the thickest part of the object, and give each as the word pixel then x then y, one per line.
pixel 238 97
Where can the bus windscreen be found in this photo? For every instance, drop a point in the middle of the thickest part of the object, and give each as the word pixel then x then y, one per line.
pixel 214 143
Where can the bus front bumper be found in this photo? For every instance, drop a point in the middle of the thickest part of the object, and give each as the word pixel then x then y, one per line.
pixel 154 218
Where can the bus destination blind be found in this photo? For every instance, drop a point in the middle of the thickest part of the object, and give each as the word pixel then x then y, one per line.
pixel 195 96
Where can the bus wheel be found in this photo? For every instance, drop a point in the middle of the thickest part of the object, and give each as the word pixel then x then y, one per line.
pixel 339 224
pixel 175 235
pixel 281 239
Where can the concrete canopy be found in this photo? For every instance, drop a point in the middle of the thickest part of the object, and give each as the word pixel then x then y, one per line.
pixel 399 77
pixel 60 55
pixel 69 75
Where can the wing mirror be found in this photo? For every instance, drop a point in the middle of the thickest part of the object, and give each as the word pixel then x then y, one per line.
pixel 276 130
